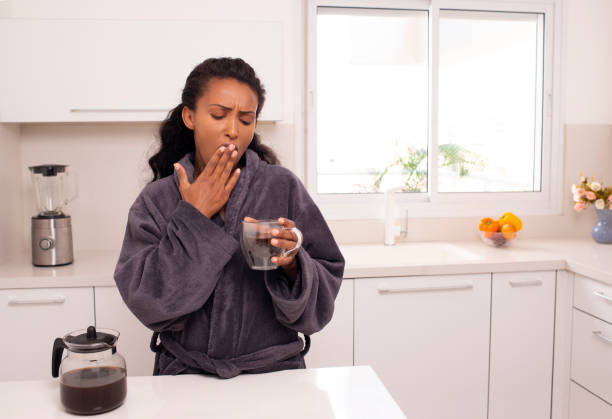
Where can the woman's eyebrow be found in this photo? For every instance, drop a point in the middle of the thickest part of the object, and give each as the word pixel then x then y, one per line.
pixel 231 109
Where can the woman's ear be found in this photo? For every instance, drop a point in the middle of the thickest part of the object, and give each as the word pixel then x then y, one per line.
pixel 187 115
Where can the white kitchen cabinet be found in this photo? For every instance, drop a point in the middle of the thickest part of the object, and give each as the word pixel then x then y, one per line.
pixel 31 319
pixel 427 338
pixel 584 405
pixel 63 70
pixel 333 346
pixel 593 297
pixel 592 354
pixel 134 339
pixel 522 333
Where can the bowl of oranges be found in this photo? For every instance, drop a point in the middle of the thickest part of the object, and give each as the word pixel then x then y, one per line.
pixel 500 232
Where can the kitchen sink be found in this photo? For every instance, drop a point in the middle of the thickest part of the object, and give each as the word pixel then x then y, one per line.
pixel 406 254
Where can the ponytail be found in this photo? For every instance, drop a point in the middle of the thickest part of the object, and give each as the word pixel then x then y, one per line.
pixel 176 141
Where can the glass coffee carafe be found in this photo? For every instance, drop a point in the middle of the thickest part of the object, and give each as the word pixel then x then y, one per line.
pixel 54 187
pixel 93 375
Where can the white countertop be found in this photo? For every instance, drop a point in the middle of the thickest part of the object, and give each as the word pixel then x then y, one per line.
pixel 345 392
pixel 586 257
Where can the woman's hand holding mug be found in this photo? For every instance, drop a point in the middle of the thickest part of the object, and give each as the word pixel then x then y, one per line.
pixel 282 234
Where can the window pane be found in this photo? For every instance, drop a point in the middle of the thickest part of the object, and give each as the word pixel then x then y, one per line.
pixel 372 104
pixel 490 101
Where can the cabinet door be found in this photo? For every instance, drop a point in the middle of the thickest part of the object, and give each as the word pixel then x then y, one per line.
pixel 592 354
pixel 134 338
pixel 585 405
pixel 522 325
pixel 333 346
pixel 427 338
pixel 30 321
pixel 123 70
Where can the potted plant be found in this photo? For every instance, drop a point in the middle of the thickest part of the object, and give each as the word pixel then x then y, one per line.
pixel 453 156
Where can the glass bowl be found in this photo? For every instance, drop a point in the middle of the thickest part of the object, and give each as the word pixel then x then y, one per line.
pixel 498 239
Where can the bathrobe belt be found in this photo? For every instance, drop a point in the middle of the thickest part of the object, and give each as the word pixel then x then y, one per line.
pixel 225 368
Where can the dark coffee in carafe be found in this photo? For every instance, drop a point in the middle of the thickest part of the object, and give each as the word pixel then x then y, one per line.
pixel 89 391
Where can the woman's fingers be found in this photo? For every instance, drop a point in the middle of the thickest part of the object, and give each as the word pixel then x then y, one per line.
pixel 284 234
pixel 283 243
pixel 222 164
pixel 285 222
pixel 182 175
pixel 211 165
pixel 229 165
pixel 249 219
pixel 231 182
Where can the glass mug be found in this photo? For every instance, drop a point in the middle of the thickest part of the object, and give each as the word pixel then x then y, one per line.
pixel 256 246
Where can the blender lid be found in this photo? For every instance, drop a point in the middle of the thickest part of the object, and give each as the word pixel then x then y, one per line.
pixel 91 339
pixel 48 169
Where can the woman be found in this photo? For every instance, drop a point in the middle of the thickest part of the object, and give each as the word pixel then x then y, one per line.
pixel 181 270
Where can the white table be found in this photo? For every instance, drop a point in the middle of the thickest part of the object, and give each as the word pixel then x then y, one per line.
pixel 346 392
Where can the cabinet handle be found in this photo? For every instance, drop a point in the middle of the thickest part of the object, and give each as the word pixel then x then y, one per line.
pixel 602 295
pixel 386 290
pixel 535 282
pixel 16 301
pixel 117 110
pixel 602 337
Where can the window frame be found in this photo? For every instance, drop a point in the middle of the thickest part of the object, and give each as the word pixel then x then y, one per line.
pixel 448 204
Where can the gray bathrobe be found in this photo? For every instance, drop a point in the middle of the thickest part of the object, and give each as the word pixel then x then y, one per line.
pixel 184 276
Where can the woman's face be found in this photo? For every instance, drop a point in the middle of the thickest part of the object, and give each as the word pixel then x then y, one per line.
pixel 224 115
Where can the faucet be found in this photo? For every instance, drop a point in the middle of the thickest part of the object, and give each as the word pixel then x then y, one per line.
pixel 391 230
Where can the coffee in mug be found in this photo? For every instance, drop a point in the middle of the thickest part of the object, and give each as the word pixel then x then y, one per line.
pixel 256 243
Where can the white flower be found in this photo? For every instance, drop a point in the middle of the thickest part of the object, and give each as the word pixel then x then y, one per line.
pixel 599 204
pixel 574 188
pixel 582 179
pixel 576 197
pixel 595 186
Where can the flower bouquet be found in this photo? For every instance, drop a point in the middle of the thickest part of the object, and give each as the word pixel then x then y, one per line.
pixel 593 192
pixel 586 193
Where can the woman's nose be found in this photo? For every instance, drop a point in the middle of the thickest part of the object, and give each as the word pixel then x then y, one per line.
pixel 231 129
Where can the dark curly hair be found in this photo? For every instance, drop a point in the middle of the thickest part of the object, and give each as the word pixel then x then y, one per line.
pixel 177 140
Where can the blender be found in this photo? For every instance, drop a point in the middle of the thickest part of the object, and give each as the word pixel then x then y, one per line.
pixel 54 188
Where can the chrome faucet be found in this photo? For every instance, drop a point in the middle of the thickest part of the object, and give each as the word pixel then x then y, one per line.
pixel 391 230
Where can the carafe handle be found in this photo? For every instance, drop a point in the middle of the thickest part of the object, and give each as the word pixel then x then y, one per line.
pixel 56 356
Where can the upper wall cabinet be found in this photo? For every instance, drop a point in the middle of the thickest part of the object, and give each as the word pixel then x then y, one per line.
pixel 123 70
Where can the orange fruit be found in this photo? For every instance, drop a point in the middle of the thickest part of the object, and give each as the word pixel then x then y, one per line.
pixel 508 231
pixel 509 218
pixel 491 229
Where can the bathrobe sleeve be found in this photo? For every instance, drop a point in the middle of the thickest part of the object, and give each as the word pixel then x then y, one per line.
pixel 306 305
pixel 169 265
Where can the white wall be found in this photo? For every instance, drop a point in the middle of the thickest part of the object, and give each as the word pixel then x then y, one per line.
pixel 588 58
pixel 12 241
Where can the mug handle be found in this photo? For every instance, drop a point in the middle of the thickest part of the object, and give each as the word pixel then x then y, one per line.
pixel 300 239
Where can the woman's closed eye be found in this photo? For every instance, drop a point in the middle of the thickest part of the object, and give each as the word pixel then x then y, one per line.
pixel 218 117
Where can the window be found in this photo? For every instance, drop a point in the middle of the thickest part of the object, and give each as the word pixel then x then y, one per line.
pixel 454 105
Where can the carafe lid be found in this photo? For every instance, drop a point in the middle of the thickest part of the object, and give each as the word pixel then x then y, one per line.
pixel 91 340
pixel 48 169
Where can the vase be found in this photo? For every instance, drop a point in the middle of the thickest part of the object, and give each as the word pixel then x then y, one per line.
pixel 602 232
